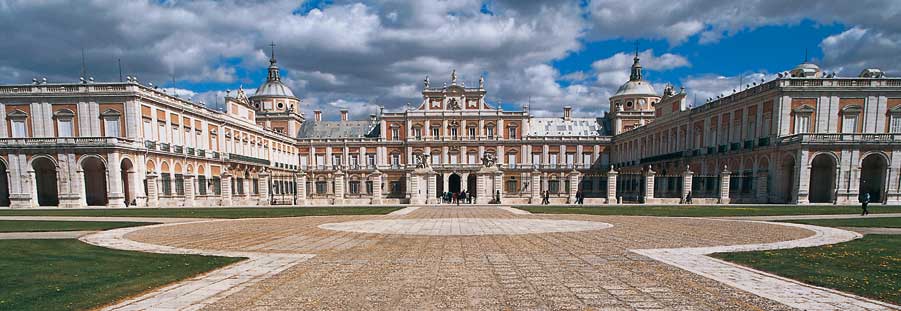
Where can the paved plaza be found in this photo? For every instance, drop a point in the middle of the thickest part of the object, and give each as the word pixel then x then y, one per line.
pixel 480 258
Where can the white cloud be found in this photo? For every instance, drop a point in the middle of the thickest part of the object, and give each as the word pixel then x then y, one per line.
pixel 702 87
pixel 857 48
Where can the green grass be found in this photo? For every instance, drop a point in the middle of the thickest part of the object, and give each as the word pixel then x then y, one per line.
pixel 869 267
pixel 43 225
pixel 240 212
pixel 71 275
pixel 704 211
pixel 884 222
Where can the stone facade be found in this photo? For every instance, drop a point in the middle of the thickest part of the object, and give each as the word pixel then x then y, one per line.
pixel 126 143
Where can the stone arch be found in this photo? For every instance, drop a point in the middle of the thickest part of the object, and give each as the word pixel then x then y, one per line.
pixel 151 166
pixel 4 182
pixel 200 169
pixel 44 170
pixel 130 180
pixel 189 169
pixel 177 169
pixel 873 171
pixel 822 177
pixel 95 175
pixel 164 167
pixel 786 190
pixel 87 157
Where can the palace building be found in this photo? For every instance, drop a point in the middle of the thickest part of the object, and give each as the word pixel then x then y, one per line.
pixel 804 137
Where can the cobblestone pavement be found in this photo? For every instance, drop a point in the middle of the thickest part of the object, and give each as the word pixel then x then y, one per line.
pixel 592 269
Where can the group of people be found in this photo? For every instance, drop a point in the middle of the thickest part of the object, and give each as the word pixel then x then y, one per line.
pixel 456 197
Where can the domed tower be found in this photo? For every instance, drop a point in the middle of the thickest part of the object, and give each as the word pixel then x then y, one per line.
pixel 276 106
pixel 633 103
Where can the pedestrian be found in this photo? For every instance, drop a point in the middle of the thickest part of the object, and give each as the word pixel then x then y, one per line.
pixel 864 200
pixel 547 198
pixel 579 196
pixel 497 197
pixel 456 199
pixel 688 197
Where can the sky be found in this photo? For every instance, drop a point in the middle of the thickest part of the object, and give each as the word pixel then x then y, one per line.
pixel 362 55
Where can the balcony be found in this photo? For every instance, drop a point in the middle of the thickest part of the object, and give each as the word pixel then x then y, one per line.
pixel 749 144
pixel 763 142
pixel 215 154
pixel 189 151
pixel 178 149
pixel 722 149
pixel 711 150
pixel 893 139
pixel 150 144
pixel 164 147
pixel 67 142
pixel 201 153
pixel 247 159
pixel 735 146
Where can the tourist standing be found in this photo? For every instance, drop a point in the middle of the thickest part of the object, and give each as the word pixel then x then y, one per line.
pixel 864 200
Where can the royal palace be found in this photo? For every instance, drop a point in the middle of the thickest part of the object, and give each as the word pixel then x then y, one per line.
pixel 802 137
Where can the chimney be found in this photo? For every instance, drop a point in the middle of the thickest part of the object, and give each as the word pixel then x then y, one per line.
pixel 317 115
pixel 567 113
pixel 343 114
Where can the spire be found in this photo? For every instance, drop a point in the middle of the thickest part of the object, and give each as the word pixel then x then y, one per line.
pixel 636 69
pixel 273 68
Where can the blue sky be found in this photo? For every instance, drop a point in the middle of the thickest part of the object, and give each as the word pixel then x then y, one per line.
pixel 361 55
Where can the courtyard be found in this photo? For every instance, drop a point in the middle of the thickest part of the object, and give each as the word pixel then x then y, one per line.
pixel 476 258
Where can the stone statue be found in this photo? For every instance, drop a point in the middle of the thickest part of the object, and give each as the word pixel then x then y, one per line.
pixel 488 160
pixel 454 104
pixel 426 82
pixel 423 161
pixel 481 82
pixel 454 76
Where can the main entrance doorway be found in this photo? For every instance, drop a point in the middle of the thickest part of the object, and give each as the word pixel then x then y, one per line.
pixel 454 183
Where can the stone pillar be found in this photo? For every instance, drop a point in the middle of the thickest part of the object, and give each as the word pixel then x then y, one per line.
pixel 483 193
pixel 762 187
pixel 801 184
pixel 649 185
pixel 248 188
pixel 725 177
pixel 81 188
pixel 300 188
pixel 264 188
pixel 535 187
pixel 498 185
pixel 416 195
pixel 226 186
pixel 611 185
pixel 115 197
pixel 189 190
pixel 153 195
pixel 573 186
pixel 432 193
pixel 687 183
pixel 376 178
pixel 339 188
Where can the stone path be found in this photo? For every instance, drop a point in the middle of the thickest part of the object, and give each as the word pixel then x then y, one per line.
pixel 464 226
pixel 51 235
pixel 805 217
pixel 783 290
pixel 200 291
pixel 160 220
pixel 872 230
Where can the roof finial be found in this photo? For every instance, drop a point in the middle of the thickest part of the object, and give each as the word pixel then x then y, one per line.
pixel 636 49
pixel 272 47
pixel 454 77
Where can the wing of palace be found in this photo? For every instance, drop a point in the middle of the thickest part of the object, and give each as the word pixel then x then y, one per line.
pixel 803 137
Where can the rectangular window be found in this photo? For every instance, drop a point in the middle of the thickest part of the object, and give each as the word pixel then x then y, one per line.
pixel 395 134
pixel 511 159
pixel 111 127
pixel 369 187
pixel 320 160
pixel 472 132
pixel 849 124
pixel 586 160
pixel 553 186
pixel 354 187
pixel 896 124
pixel 536 158
pixel 436 132
pixel 471 158
pixel 354 161
pixel 179 184
pixel 511 186
pixel 370 160
pixel 453 131
pixel 164 138
pixel 453 159
pixel 255 185
pixel 512 132
pixel 570 159
pixel 436 159
pixel 217 186
pixel 395 187
pixel 188 138
pixel 395 160
pixel 201 185
pixel 336 160
pixel 553 160
pixel 166 183
pixel 148 130
pixel 490 132
pixel 802 123
pixel 239 186
pixel 321 187
pixel 64 127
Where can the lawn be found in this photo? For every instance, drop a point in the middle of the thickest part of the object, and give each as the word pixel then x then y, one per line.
pixel 71 275
pixel 884 222
pixel 704 211
pixel 869 267
pixel 42 225
pixel 218 212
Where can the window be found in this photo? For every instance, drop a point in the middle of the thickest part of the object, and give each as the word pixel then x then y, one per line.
pixel 436 159
pixel 111 122
pixel 64 127
pixel 369 187
pixel 417 132
pixel 217 186
pixel 201 185
pixel 179 184
pixel 471 158
pixel 370 160
pixel 395 187
pixel 510 186
pixel 536 158
pixel 176 135
pixel 472 132
pixel 586 159
pixel 395 160
pixel 354 187
pixel 453 158
pixel 553 186
pixel 553 160
pixel 17 124
pixel 436 132
pixel 511 159
pixel 453 132
pixel 570 159
pixel 189 138
pixel 849 123
pixel 166 181
pixel 802 123
pixel 354 161
pixel 148 130
pixel 511 132
pixel 336 160
pixel 896 124
pixel 395 134
pixel 162 132
pixel 321 187
pixel 490 131
pixel 320 160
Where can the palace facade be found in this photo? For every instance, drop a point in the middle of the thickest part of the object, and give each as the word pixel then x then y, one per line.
pixel 803 137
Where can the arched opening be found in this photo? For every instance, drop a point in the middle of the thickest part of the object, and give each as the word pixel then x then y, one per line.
pixel 822 179
pixel 128 181
pixel 787 179
pixel 872 177
pixel 454 183
pixel 94 182
pixel 45 182
pixel 4 185
pixel 471 185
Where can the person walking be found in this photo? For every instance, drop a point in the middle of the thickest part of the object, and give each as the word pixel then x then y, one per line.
pixel 497 197
pixel 546 198
pixel 864 200
pixel 579 197
pixel 688 198
pixel 456 199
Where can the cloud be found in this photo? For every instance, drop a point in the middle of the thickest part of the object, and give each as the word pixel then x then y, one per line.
pixel 702 87
pixel 855 49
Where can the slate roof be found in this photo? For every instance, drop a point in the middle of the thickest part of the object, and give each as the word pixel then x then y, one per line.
pixel 559 127
pixel 338 129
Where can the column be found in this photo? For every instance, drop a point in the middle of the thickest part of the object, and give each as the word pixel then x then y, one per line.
pixel 801 184
pixel 264 188
pixel 339 188
pixel 649 185
pixel 415 193
pixel 762 187
pixel 611 185
pixel 535 187
pixel 153 197
pixel 687 182
pixel 376 178
pixel 116 198
pixel 431 194
pixel 226 185
pixel 189 190
pixel 573 186
pixel 498 186
pixel 724 185
pixel 300 188
pixel 248 188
